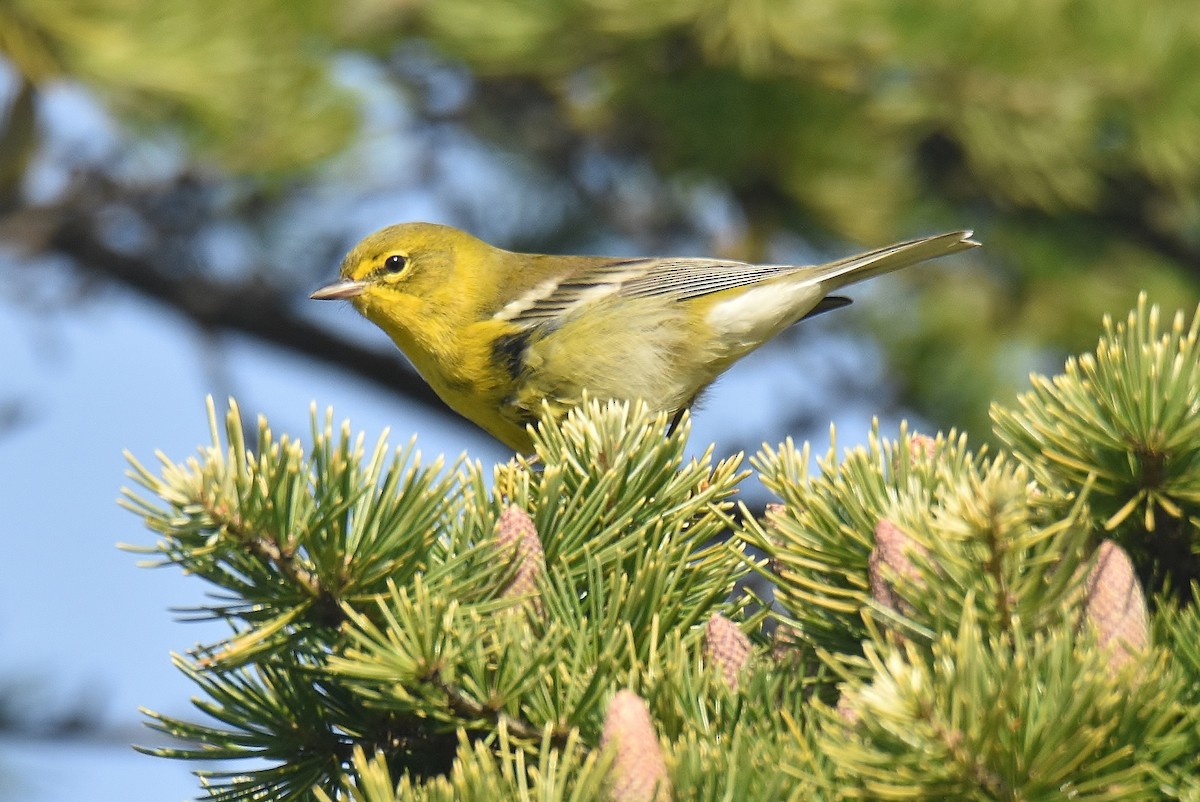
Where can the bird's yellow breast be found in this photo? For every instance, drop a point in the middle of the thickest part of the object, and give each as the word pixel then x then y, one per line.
pixel 458 362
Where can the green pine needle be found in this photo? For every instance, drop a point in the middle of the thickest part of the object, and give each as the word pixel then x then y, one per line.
pixel 1125 419
pixel 928 598
pixel 1127 416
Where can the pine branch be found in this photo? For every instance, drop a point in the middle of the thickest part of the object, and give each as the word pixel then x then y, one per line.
pixel 469 710
pixel 936 595
pixel 1122 421
pixel 265 546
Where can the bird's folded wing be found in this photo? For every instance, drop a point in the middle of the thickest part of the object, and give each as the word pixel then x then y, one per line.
pixel 673 278
pixel 678 279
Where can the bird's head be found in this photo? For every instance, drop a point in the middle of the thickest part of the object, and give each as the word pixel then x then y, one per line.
pixel 407 268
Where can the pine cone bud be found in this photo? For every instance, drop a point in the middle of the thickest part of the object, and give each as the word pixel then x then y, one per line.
pixel 921 446
pixel 846 711
pixel 785 646
pixel 892 546
pixel 726 647
pixel 783 639
pixel 1116 606
pixel 518 536
pixel 773 563
pixel 638 773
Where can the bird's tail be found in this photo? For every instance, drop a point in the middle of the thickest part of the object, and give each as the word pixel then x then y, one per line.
pixel 893 257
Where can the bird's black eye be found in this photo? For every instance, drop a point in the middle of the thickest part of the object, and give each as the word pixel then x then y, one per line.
pixel 395 263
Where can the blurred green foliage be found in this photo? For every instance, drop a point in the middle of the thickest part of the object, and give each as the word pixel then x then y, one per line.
pixel 247 79
pixel 1064 131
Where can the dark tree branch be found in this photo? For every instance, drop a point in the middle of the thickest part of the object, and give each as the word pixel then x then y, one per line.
pixel 253 307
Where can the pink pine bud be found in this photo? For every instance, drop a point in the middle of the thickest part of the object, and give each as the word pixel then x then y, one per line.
pixel 518 537
pixel 638 773
pixel 727 648
pixel 1116 606
pixel 892 547
pixel 785 643
pixel 846 711
pixel 921 446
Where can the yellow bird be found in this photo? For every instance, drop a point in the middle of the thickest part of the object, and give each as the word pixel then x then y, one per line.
pixel 496 333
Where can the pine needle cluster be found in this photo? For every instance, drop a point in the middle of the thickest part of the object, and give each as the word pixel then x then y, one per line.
pixel 947 623
pixel 1127 419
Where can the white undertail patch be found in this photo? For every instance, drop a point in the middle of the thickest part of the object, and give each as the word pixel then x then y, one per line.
pixel 758 313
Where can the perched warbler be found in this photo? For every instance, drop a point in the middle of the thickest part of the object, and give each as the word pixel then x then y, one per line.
pixel 496 333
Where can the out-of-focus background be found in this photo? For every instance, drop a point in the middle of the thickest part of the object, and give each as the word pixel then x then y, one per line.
pixel 175 177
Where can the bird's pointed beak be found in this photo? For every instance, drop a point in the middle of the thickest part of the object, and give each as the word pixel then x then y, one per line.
pixel 339 290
